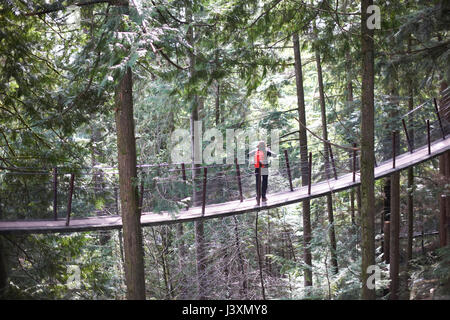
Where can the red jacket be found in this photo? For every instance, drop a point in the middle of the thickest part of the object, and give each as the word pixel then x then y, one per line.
pixel 259 158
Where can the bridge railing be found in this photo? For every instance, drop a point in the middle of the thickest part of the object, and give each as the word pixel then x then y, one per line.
pixel 60 192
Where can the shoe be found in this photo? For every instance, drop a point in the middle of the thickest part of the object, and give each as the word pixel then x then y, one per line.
pixel 264 199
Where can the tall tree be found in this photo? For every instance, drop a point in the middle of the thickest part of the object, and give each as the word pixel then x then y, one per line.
pixel 196 106
pixel 126 149
pixel 323 113
pixel 367 152
pixel 349 97
pixel 303 159
pixel 410 201
pixel 394 254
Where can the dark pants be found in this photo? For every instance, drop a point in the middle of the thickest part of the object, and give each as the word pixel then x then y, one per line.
pixel 264 180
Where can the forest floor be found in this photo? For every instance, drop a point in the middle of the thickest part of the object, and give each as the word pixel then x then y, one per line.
pixel 428 276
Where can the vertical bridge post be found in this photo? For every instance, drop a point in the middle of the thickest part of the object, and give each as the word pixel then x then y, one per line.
pixel 310 173
pixel 439 118
pixel 288 167
pixel 205 174
pixel 410 147
pixel 428 136
pixel 238 176
pixel 258 185
pixel 69 202
pixel 55 193
pixel 394 147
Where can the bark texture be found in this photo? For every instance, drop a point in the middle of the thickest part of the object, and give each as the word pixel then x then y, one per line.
pixel 328 169
pixel 367 152
pixel 132 229
pixel 303 160
pixel 394 254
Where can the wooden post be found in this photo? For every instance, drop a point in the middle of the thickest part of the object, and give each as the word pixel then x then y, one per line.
pixel 238 175
pixel 354 162
pixel 394 256
pixel 439 118
pixel 69 203
pixel 310 173
pixel 394 142
pixel 55 193
pixel 428 136
pixel 183 170
pixel 288 167
pixel 386 241
pixel 258 186
pixel 332 162
pixel 443 222
pixel 205 175
pixel 410 147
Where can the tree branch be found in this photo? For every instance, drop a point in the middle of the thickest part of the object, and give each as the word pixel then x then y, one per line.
pixel 59 8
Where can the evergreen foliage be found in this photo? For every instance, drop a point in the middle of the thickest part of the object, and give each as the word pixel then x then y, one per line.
pixel 60 63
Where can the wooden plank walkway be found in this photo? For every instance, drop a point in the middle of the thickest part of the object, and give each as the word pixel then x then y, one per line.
pixel 228 208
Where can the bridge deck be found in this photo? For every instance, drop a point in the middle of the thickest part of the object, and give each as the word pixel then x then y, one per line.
pixel 228 208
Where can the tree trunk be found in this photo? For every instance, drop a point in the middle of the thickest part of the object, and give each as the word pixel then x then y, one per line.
pixel 367 152
pixel 350 101
pixel 132 230
pixel 126 150
pixel 196 172
pixel 386 216
pixel 410 210
pixel 303 159
pixel 410 201
pixel 197 201
pixel 394 254
pixel 444 160
pixel 331 230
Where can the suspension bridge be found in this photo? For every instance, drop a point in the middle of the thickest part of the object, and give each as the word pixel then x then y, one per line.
pixel 431 144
